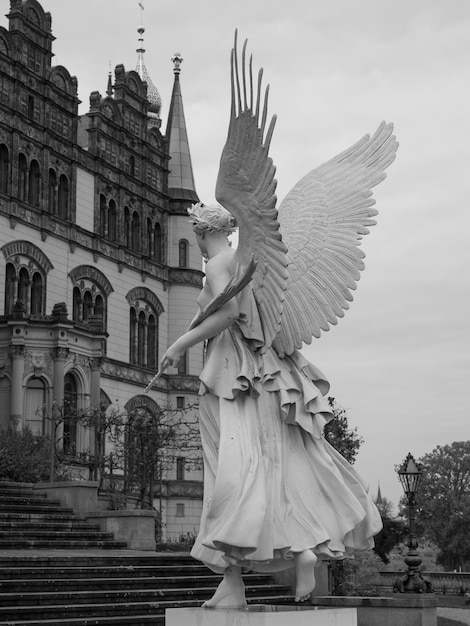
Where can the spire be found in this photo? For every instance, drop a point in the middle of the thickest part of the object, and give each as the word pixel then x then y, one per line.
pixel 109 90
pixel 181 185
pixel 379 499
pixel 153 95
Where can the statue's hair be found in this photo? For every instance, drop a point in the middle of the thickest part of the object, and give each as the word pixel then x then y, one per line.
pixel 211 218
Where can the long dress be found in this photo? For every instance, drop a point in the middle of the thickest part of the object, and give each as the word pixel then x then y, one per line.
pixel 273 485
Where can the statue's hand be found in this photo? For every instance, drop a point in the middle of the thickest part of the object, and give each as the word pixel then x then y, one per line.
pixel 171 358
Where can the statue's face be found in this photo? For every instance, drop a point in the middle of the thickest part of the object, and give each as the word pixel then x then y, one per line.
pixel 201 242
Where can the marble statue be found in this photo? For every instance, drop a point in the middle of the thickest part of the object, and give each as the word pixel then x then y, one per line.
pixel 276 494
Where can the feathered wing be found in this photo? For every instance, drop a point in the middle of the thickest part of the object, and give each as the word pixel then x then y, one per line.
pixel 323 220
pixel 246 187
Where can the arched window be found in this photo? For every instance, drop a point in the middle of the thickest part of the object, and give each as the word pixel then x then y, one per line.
pixel 30 107
pixel 150 248
pixel 10 288
pixel 133 337
pixel 23 287
pixel 183 253
pixel 63 197
pixel 157 243
pixel 135 244
pixel 141 338
pixel 112 221
pixel 52 192
pixel 77 305
pixel 99 307
pixel 4 168
pixel 143 335
pixel 22 177
pixel 87 305
pixel 70 413
pixel 90 293
pixel 34 183
pixel 34 403
pixel 127 227
pixel 103 212
pixel 152 342
pixel 37 294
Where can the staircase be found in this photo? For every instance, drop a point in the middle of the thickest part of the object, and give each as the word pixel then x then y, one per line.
pixel 56 569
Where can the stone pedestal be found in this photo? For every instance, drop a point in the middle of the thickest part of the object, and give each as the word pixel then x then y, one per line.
pixel 81 496
pixel 402 609
pixel 261 615
pixel 136 528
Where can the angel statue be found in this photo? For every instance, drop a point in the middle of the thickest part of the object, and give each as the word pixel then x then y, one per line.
pixel 277 495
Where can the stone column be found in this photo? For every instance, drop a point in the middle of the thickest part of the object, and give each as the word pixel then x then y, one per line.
pixel 17 396
pixel 60 355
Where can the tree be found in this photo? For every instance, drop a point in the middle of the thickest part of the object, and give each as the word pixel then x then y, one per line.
pixel 339 435
pixel 443 502
pixel 393 532
pixel 347 442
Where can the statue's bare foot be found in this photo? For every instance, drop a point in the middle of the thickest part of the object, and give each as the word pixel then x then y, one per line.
pixel 230 594
pixel 304 574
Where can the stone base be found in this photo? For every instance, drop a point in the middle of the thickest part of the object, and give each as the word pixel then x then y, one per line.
pixel 402 609
pixel 262 615
pixel 136 527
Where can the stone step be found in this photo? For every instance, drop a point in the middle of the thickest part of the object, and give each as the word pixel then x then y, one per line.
pixel 127 559
pixel 17 534
pixel 17 525
pixel 72 611
pixel 20 585
pixel 141 620
pixel 116 596
pixel 47 507
pixel 34 517
pixel 39 544
pixel 111 571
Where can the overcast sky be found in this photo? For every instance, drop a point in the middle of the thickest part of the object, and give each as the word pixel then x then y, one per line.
pixel 399 360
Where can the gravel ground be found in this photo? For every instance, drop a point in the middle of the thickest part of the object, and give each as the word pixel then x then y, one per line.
pixel 452 617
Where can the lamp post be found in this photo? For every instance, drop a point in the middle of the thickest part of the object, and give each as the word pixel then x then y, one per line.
pixel 410 474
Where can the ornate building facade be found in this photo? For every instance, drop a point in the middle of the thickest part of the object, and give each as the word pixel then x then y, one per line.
pixel 98 266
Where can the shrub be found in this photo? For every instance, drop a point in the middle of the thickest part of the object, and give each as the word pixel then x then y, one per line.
pixel 24 457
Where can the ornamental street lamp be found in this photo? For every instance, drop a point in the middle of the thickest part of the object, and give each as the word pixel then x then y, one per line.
pixel 410 474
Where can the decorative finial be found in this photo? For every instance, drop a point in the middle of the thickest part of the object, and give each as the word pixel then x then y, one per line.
pixel 109 90
pixel 177 60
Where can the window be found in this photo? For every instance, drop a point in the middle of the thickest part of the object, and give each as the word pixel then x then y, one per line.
pixel 103 214
pixel 10 288
pixel 135 227
pixel 180 466
pixel 31 107
pixel 180 509
pixel 112 221
pixel 127 227
pixel 145 309
pixel 63 197
pixel 22 177
pixel 25 277
pixel 34 181
pixel 90 295
pixel 52 192
pixel 143 337
pixel 36 294
pixel 180 402
pixel 4 168
pixel 183 253
pixel 157 243
pixel 34 401
pixel 183 364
